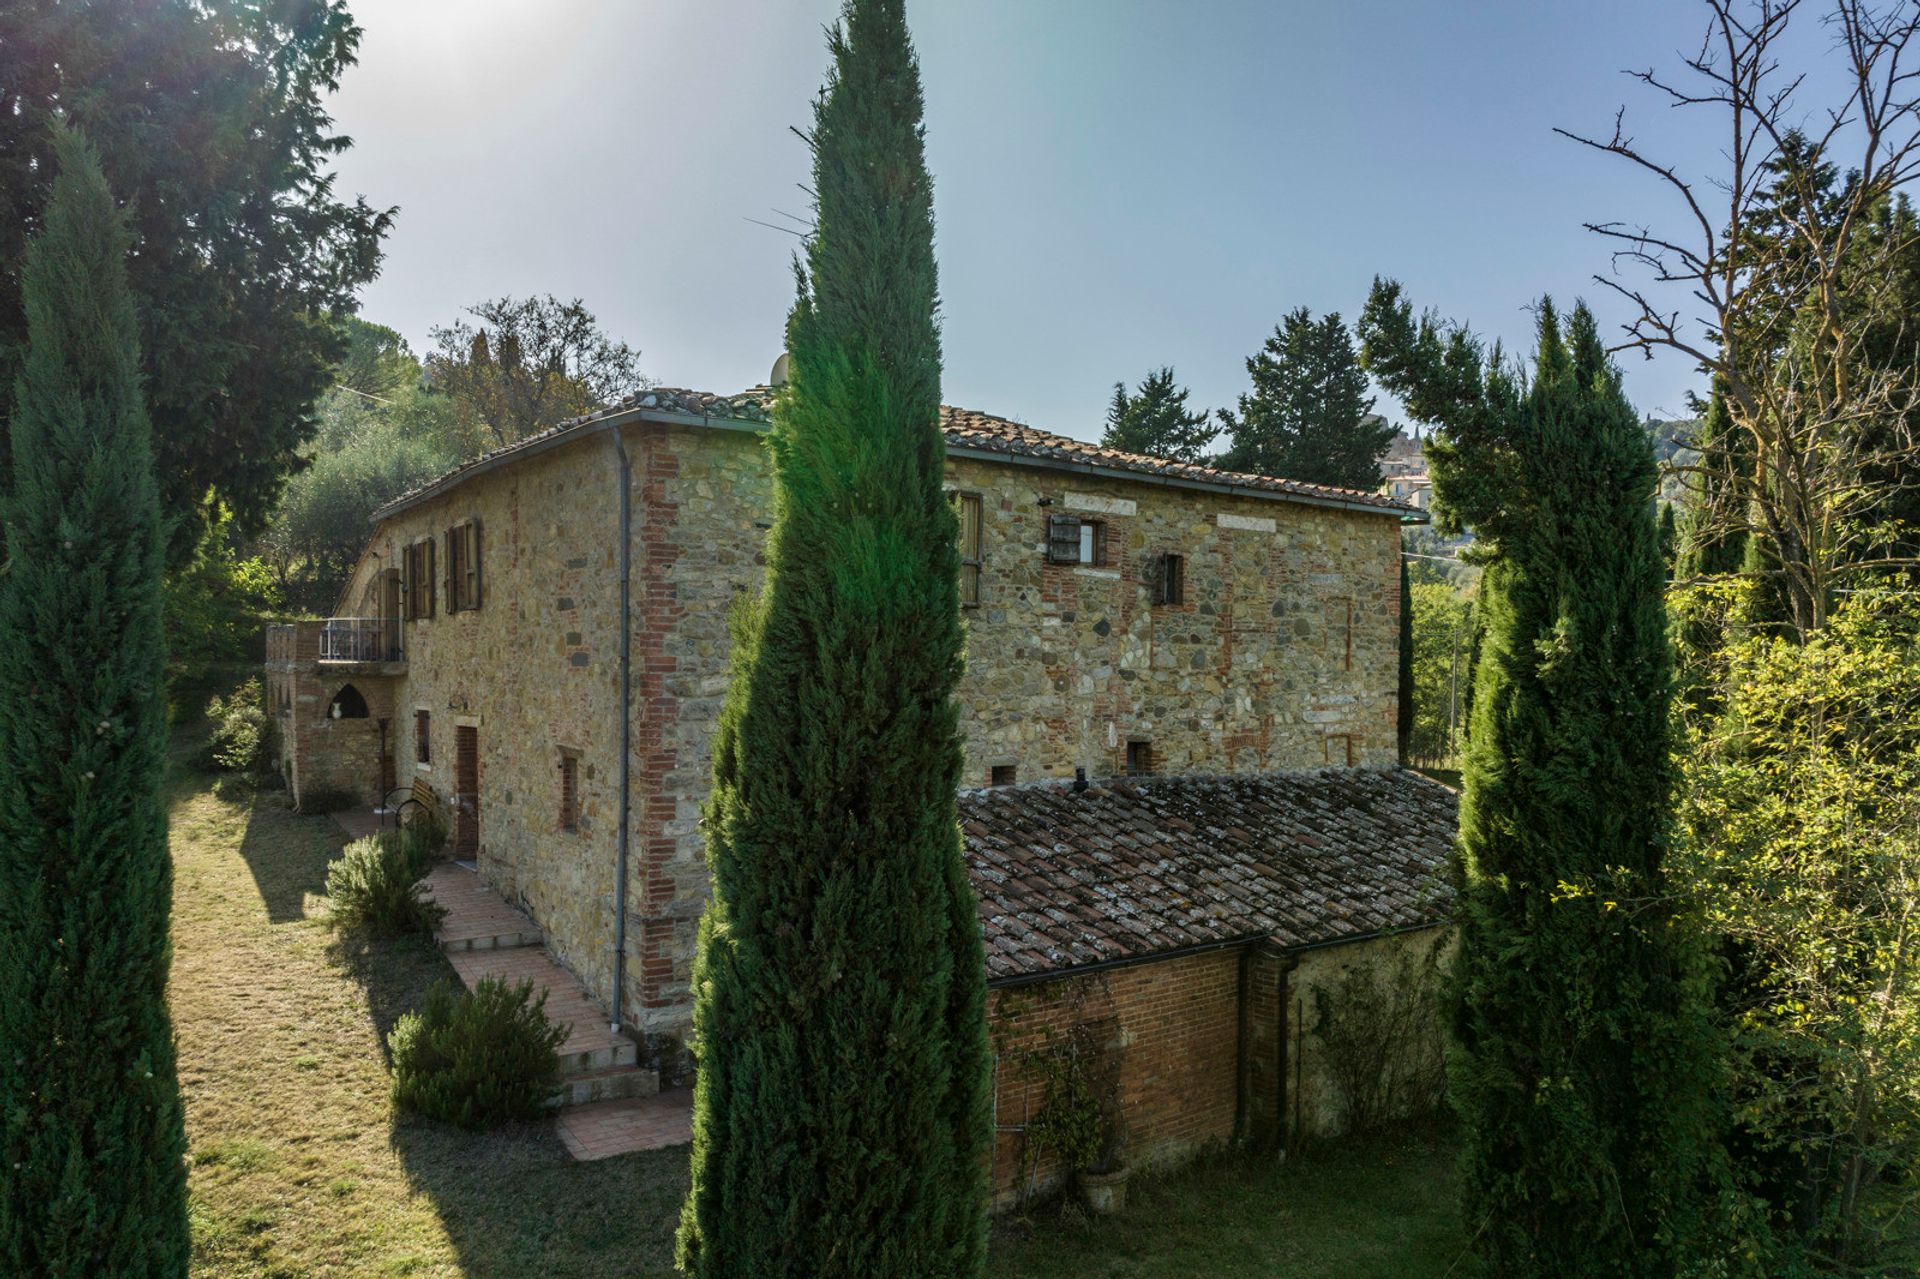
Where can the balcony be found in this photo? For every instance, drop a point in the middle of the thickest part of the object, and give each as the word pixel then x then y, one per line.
pixel 360 641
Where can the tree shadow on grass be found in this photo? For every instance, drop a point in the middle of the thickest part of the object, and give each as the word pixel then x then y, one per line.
pixel 286 853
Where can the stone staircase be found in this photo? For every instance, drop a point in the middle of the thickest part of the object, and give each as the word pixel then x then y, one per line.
pixel 483 936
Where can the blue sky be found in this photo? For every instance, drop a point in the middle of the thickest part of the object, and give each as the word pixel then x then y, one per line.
pixel 1118 185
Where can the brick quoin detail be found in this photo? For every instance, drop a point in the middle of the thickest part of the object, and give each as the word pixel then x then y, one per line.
pixel 654 758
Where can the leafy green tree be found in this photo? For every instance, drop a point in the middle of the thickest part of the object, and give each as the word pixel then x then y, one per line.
pixel 1585 1064
pixel 1443 635
pixel 1800 837
pixel 1309 416
pixel 528 364
pixel 91 1135
pixel 382 432
pixel 215 605
pixel 1155 420
pixel 1403 703
pixel 208 118
pixel 841 1117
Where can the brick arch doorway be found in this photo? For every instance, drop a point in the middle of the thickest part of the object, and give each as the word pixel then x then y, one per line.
pixel 466 792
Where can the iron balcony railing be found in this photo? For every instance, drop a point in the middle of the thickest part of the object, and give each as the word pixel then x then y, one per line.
pixel 360 639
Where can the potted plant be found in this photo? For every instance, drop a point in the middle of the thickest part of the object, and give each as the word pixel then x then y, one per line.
pixel 1103 1181
pixel 1079 1118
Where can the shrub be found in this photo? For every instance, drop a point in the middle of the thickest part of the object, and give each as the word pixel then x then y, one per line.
pixel 429 826
pixel 241 729
pixel 1381 1030
pixel 477 1058
pixel 1080 1120
pixel 375 884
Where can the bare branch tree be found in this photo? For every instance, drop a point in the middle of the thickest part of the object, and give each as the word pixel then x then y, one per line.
pixel 1780 280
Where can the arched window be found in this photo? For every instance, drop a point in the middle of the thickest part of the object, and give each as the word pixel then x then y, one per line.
pixel 347 704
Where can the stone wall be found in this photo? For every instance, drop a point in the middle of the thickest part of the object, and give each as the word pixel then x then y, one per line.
pixel 326 762
pixel 534 671
pixel 1281 656
pixel 1402 971
pixel 1196 1049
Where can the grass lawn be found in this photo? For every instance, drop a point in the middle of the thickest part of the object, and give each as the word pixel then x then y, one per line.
pixel 299 1168
pixel 1355 1210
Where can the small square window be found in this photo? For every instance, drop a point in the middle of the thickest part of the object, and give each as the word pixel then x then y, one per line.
pixel 1139 758
pixel 1003 774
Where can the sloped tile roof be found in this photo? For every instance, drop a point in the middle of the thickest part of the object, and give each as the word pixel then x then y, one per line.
pixel 964 428
pixel 1133 867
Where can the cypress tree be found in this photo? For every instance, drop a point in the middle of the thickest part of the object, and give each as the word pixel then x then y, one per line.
pixel 91 1138
pixel 841 1120
pixel 1583 1065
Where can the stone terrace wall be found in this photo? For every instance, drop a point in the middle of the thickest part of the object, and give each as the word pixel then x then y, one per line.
pixel 323 760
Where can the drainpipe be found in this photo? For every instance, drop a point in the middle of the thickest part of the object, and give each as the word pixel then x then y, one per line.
pixel 1288 961
pixel 626 725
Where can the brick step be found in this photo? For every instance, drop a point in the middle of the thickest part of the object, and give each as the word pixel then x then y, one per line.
pixel 489 941
pixel 621 1054
pixel 616 1083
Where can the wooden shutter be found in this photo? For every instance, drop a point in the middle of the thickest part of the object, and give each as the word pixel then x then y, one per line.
pixel 1063 539
pixel 453 570
pixel 472 564
pixel 971 540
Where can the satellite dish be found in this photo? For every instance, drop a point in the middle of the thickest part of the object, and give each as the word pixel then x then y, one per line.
pixel 779 375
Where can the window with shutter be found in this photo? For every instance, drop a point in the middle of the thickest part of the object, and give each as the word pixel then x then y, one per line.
pixel 471 564
pixel 1170 580
pixel 1072 540
pixel 455 548
pixel 420 593
pixel 463 567
pixel 1139 758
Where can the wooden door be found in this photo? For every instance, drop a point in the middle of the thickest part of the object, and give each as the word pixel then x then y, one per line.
pixel 466 792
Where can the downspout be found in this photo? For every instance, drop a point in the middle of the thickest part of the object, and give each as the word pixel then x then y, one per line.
pixel 626 725
pixel 1289 960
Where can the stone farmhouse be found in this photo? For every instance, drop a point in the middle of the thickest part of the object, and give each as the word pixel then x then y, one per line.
pixel 1183 814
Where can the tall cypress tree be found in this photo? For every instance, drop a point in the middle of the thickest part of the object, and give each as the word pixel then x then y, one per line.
pixel 91 1141
pixel 841 1112
pixel 1584 1059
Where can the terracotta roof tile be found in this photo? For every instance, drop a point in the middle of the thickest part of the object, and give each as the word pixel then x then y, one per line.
pixel 1132 868
pixel 964 428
